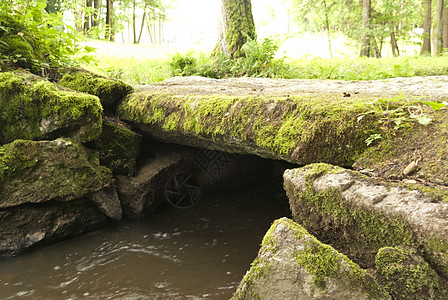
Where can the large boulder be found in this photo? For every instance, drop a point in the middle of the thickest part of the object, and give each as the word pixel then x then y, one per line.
pixel 25 226
pixel 40 171
pixel 110 91
pixel 32 108
pixel 359 216
pixel 300 121
pixel 292 264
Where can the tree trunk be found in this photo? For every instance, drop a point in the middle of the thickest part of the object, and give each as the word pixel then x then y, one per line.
pixel 445 28
pixel 327 24
pixel 110 32
pixel 426 46
pixel 79 19
pixel 236 26
pixel 437 47
pixel 143 24
pixel 365 38
pixel 87 16
pixel 393 43
pixel 96 6
pixel 134 29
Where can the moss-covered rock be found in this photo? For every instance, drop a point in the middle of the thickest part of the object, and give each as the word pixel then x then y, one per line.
pixel 39 171
pixel 358 216
pixel 303 128
pixel 292 264
pixel 37 109
pixel 118 148
pixel 406 275
pixel 110 91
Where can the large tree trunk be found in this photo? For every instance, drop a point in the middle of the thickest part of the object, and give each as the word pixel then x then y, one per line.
pixel 445 28
pixel 426 46
pixel 236 26
pixel 365 38
pixel 437 47
pixel 110 32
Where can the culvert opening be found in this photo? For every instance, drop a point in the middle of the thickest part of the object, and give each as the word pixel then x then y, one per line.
pixel 201 252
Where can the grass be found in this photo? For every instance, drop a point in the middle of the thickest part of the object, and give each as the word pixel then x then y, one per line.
pixel 139 65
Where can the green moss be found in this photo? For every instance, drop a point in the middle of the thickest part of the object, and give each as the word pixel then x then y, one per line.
pixel 406 275
pixel 34 109
pixel 257 270
pixel 110 91
pixel 16 156
pixel 118 148
pixel 305 128
pixel 354 230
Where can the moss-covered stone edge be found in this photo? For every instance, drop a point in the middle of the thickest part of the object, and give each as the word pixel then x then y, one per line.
pixel 33 109
pixel 374 230
pixel 405 275
pixel 301 128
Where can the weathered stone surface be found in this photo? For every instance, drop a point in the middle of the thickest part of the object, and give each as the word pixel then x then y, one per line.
pixel 406 275
pixel 28 225
pixel 358 216
pixel 118 148
pixel 107 201
pixel 39 171
pixel 427 144
pixel 300 121
pixel 110 91
pixel 292 264
pixel 37 109
pixel 138 193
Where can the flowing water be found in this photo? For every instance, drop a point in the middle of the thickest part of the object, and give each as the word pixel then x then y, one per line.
pixel 199 253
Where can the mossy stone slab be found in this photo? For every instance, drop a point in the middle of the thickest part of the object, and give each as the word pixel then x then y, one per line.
pixel 32 108
pixel 293 264
pixel 40 171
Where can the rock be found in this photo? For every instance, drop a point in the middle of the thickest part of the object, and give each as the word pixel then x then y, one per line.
pixel 300 121
pixel 40 171
pixel 25 226
pixel 358 216
pixel 406 275
pixel 140 192
pixel 292 264
pixel 110 91
pixel 108 202
pixel 118 148
pixel 230 117
pixel 38 109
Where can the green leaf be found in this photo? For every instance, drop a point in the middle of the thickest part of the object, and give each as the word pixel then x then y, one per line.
pixel 424 120
pixel 434 105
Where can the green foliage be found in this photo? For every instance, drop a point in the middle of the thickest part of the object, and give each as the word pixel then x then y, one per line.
pixel 258 61
pixel 36 40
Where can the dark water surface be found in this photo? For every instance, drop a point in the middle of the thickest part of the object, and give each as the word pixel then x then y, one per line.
pixel 199 253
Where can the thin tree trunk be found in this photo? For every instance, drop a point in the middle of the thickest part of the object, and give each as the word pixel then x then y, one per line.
pixel 134 30
pixel 327 24
pixel 79 19
pixel 365 38
pixel 445 28
pixel 393 43
pixel 437 46
pixel 96 6
pixel 143 24
pixel 236 26
pixel 148 25
pixel 87 16
pixel 426 46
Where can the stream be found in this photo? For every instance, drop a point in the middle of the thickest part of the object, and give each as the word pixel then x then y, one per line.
pixel 199 253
